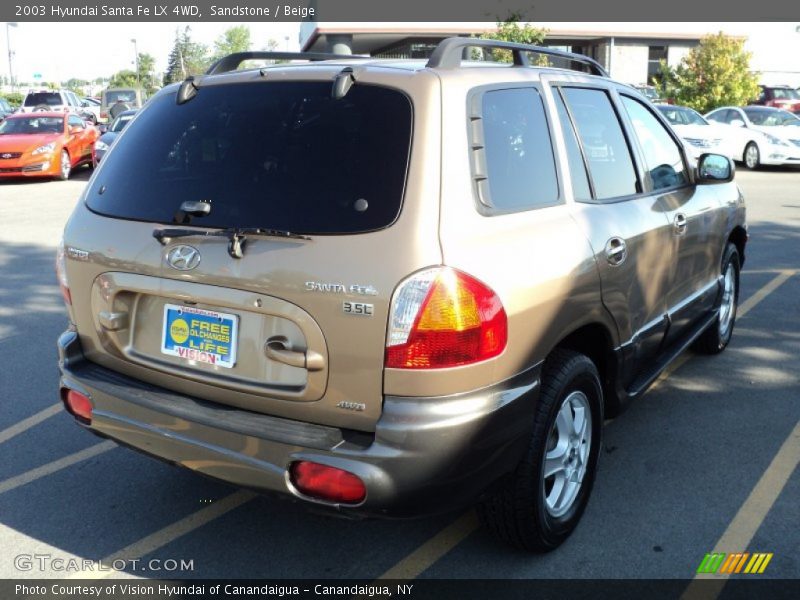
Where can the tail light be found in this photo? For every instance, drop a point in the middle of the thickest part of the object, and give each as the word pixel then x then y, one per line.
pixel 103 114
pixel 327 483
pixel 61 273
pixel 78 405
pixel 442 318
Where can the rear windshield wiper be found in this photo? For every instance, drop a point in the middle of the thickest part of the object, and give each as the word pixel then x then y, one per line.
pixel 237 236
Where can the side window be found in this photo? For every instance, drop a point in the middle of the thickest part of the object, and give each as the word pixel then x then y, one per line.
pixel 577 167
pixel 662 156
pixel 603 141
pixel 518 153
pixel 77 122
pixel 728 116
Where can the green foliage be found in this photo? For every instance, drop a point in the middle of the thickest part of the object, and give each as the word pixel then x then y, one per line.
pixel 14 99
pixel 715 73
pixel 125 78
pixel 186 57
pixel 77 85
pixel 147 68
pixel 234 39
pixel 511 30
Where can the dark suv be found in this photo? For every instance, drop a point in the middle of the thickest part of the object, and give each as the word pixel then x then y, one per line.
pixel 390 288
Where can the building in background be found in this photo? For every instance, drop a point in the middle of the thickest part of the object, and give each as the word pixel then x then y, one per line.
pixel 631 52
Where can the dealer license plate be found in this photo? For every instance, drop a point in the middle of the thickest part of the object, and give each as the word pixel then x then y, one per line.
pixel 200 336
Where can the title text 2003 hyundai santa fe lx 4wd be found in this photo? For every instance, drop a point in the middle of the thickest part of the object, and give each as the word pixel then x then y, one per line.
pixel 391 288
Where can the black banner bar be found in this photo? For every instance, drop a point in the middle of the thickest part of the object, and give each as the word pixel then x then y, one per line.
pixel 395 10
pixel 420 589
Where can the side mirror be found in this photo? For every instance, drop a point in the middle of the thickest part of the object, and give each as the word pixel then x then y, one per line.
pixel 737 123
pixel 74 130
pixel 714 168
pixel 102 128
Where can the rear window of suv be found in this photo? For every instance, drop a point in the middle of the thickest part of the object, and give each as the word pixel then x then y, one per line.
pixel 280 155
pixel 120 96
pixel 44 98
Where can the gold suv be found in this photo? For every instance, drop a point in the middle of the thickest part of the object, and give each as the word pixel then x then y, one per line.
pixel 393 288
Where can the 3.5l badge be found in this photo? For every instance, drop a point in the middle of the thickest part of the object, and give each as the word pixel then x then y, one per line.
pixel 358 308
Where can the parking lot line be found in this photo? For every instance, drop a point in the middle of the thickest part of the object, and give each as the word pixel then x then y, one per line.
pixel 432 550
pixel 26 424
pixel 170 533
pixel 765 291
pixel 752 513
pixel 55 466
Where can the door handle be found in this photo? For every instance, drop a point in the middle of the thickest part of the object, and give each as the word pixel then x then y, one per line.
pixel 616 251
pixel 679 223
pixel 279 349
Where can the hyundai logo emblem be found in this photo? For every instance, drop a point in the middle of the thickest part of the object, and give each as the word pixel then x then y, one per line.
pixel 183 258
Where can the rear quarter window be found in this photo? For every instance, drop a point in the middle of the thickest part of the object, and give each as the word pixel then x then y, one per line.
pixel 281 155
pixel 517 151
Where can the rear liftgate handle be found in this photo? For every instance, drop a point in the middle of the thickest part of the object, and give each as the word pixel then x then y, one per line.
pixel 279 349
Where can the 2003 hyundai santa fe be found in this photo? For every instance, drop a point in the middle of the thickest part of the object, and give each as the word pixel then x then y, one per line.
pixel 392 288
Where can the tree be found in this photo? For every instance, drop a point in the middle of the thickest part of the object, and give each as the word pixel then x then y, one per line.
pixel 147 66
pixel 186 57
pixel 77 85
pixel 234 39
pixel 125 78
pixel 714 73
pixel 511 30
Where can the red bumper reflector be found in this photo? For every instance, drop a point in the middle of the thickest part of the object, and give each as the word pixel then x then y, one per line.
pixel 78 405
pixel 327 483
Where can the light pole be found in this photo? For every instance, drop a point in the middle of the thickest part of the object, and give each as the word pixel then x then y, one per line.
pixel 10 54
pixel 136 53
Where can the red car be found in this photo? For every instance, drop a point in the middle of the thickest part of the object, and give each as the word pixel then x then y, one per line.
pixel 779 96
pixel 45 144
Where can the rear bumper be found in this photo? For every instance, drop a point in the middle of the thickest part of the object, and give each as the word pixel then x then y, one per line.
pixel 427 455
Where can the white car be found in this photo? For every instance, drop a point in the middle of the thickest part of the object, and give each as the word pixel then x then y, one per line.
pixel 764 135
pixel 90 110
pixel 701 137
pixel 43 100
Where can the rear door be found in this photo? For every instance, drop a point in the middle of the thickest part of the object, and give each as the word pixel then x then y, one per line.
pixel 291 325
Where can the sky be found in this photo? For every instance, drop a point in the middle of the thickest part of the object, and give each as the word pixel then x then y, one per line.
pixel 59 51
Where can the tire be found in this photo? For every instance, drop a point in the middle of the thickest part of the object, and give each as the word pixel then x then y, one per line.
pixel 752 156
pixel 714 339
pixel 41 108
pixel 64 166
pixel 526 511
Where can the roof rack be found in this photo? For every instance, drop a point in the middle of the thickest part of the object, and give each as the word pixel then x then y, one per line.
pixel 232 61
pixel 449 53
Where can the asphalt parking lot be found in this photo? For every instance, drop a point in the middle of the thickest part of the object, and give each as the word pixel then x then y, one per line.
pixel 705 461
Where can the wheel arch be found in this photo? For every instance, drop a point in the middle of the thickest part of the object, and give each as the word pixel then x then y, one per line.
pixel 595 340
pixel 738 237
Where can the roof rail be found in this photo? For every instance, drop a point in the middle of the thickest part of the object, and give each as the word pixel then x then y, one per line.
pixel 449 53
pixel 232 61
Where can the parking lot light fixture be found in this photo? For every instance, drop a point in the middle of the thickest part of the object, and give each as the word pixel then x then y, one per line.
pixel 136 61
pixel 10 54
